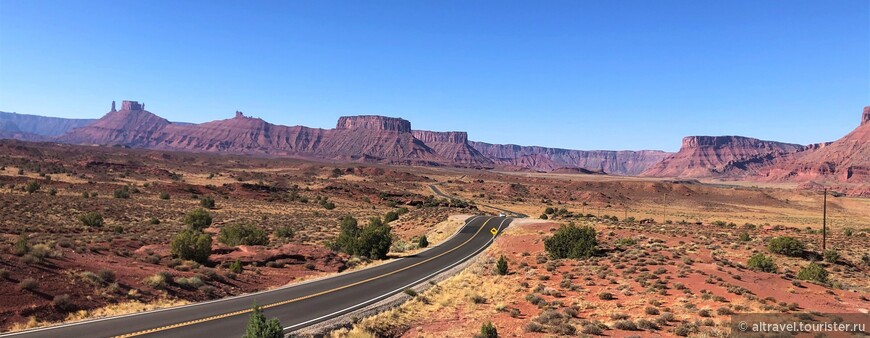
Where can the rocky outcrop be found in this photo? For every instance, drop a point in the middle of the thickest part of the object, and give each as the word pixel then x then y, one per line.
pixel 131 126
pixel 453 146
pixel 844 163
pixel 355 138
pixel 548 159
pixel 865 117
pixel 707 156
pixel 367 138
pixel 373 122
pixel 13 123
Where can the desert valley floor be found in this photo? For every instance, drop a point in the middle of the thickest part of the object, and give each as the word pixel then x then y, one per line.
pixel 85 232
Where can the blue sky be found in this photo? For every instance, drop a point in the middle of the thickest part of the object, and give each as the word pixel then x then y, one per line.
pixel 574 74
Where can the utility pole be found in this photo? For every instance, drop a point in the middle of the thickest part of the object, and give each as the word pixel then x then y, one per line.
pixel 665 208
pixel 824 220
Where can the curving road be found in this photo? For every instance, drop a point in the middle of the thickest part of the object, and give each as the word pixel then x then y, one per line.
pixel 295 306
pixel 437 191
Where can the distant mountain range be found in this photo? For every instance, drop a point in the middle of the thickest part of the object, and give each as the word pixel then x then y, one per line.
pixel 843 164
pixel 365 138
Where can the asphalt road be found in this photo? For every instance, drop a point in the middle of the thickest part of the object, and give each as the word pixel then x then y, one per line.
pixel 295 306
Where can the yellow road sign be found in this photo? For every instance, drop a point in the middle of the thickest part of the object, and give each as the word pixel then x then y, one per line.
pixel 493 231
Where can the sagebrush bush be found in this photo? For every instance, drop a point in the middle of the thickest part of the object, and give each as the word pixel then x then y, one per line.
pixel 189 282
pixel 501 267
pixel 571 241
pixel 785 245
pixel 28 284
pixel 373 241
pixel 487 330
pixel 831 256
pixel 92 219
pixel 207 202
pixel 285 232
pixel 198 219
pixel 813 272
pixel 760 262
pixel 243 234
pixel 192 245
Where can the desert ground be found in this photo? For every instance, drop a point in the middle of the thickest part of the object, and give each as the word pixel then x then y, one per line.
pixel 672 253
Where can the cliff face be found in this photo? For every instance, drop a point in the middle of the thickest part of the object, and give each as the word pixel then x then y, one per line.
pixel 371 138
pixel 132 126
pixel 548 159
pixel 845 161
pixel 453 146
pixel 355 138
pixel 706 156
pixel 372 122
pixel 38 125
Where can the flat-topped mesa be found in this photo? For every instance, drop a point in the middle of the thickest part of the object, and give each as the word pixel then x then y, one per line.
pixel 373 122
pixel 730 141
pixel 426 136
pixel 865 118
pixel 132 105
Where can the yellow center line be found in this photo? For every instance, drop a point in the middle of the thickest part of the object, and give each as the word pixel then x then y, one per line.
pixel 285 302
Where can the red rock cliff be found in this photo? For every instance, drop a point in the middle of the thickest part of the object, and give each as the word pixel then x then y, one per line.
pixel 373 122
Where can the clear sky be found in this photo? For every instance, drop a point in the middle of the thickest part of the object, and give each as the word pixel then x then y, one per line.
pixel 573 74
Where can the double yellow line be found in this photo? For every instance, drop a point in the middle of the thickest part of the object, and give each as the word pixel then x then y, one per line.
pixel 285 302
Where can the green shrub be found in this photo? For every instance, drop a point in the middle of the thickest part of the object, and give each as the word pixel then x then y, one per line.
pixel 198 219
pixel 605 296
pixel 813 272
pixel 501 267
pixel 423 242
pixel 157 281
pixel 189 282
pixel 92 219
pixel 744 237
pixel 106 275
pixel 63 303
pixel 391 216
pixel 788 246
pixel 164 195
pixel 285 232
pixel 192 245
pixel 260 327
pixel 549 211
pixel 373 241
pixel 243 234
pixel 831 256
pixel 571 241
pixel 760 262
pixel 543 216
pixel 122 193
pixel 85 194
pixel 236 267
pixel 52 191
pixel 21 246
pixel 41 252
pixel 207 202
pixel 487 330
pixel 31 187
pixel 625 242
pixel 28 284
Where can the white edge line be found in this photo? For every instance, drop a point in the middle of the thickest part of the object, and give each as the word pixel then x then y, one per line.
pixel 357 306
pixel 97 320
